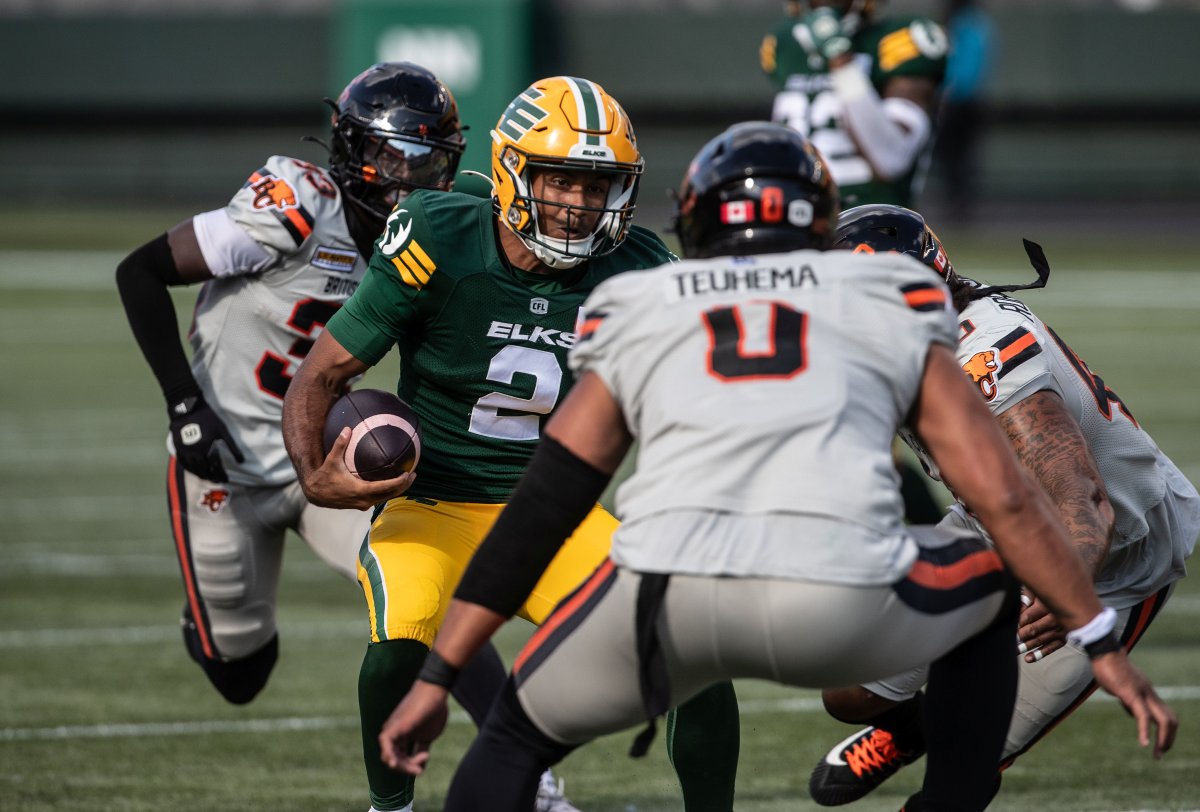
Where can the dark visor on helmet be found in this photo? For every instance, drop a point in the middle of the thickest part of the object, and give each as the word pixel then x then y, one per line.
pixel 408 163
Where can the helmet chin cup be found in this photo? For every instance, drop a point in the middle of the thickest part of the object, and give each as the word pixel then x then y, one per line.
pixel 554 252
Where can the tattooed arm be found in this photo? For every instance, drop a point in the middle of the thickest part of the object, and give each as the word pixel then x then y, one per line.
pixel 1049 442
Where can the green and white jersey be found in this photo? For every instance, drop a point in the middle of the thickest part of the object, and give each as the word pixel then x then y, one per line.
pixel 483 348
pixel 1010 354
pixel 807 101
pixel 768 388
pixel 258 318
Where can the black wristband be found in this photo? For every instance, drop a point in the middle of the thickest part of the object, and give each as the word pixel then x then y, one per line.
pixel 437 671
pixel 1105 645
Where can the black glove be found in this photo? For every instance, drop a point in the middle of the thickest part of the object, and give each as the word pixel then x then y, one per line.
pixel 196 430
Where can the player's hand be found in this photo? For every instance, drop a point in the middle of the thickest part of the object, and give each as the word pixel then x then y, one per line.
pixel 196 432
pixel 820 33
pixel 332 484
pixel 1038 631
pixel 1119 677
pixel 407 734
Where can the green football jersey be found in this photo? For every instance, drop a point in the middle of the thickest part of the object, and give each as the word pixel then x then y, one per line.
pixel 483 347
pixel 807 102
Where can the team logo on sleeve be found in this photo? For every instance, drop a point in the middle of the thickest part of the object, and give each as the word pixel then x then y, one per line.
pixel 988 366
pixel 271 191
pixel 274 194
pixel 396 232
pixel 981 368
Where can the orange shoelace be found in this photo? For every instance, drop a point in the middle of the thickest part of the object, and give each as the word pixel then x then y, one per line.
pixel 876 751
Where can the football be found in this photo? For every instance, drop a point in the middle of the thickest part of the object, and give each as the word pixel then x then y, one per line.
pixel 386 435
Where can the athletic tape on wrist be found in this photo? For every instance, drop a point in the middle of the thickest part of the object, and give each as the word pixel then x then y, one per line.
pixel 1095 630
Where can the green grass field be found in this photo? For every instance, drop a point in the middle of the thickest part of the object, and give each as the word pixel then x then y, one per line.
pixel 100 708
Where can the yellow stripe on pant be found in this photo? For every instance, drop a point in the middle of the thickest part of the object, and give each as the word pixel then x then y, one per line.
pixel 417 552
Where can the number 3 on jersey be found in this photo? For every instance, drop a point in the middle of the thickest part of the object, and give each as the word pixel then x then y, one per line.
pixel 272 371
pixel 508 417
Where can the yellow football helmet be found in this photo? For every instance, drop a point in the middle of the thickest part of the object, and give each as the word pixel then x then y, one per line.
pixel 565 123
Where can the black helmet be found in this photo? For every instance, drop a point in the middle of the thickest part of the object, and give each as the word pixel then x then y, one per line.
pixel 756 188
pixel 395 129
pixel 882 227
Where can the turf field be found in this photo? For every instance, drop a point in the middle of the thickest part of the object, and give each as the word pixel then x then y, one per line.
pixel 100 709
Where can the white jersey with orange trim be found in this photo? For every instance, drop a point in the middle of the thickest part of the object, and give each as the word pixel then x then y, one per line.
pixel 259 317
pixel 1010 354
pixel 769 387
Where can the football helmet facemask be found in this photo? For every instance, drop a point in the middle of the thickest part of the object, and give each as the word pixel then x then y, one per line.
pixel 756 188
pixel 881 227
pixel 395 129
pixel 567 124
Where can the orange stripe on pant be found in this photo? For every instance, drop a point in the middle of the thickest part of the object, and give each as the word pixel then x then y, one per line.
pixel 937 576
pixel 174 489
pixel 563 612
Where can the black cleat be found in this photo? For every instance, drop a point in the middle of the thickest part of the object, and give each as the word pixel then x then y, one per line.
pixel 856 766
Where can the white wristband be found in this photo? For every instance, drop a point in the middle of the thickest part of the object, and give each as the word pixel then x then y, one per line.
pixel 1095 629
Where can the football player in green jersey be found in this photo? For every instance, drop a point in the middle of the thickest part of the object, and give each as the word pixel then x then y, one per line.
pixel 862 89
pixel 482 298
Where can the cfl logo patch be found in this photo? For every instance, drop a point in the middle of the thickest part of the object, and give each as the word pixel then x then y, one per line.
pixel 539 306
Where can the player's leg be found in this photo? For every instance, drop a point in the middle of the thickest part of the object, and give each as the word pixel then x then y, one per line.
pixel 703 743
pixel 337 536
pixel 229 542
pixel 1048 691
pixel 703 735
pixel 409 567
pixel 965 626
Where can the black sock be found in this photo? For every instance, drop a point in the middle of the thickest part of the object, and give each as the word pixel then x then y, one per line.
pixel 501 768
pixel 968 709
pixel 703 740
pixel 480 683
pixel 904 723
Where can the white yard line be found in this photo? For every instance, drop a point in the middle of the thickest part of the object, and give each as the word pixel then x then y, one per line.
pixel 297 723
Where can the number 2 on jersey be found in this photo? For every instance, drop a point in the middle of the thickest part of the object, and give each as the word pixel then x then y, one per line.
pixel 508 417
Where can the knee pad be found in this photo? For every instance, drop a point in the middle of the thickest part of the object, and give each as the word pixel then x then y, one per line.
pixel 240 680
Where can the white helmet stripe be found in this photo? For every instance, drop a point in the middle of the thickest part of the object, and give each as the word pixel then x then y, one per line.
pixel 590 112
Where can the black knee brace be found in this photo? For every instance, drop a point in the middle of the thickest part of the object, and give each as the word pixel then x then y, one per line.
pixel 240 680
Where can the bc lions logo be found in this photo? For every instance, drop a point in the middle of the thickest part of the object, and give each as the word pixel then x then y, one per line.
pixel 215 499
pixel 271 191
pixel 982 368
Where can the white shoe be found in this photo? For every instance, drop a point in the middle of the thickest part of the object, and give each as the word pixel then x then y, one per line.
pixel 550 796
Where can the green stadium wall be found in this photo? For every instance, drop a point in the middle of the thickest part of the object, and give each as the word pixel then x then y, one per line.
pixel 177 109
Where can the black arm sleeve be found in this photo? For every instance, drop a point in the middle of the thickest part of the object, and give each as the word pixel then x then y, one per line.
pixel 142 279
pixel 554 496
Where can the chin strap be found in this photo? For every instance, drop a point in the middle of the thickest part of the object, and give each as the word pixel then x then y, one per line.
pixel 1037 258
